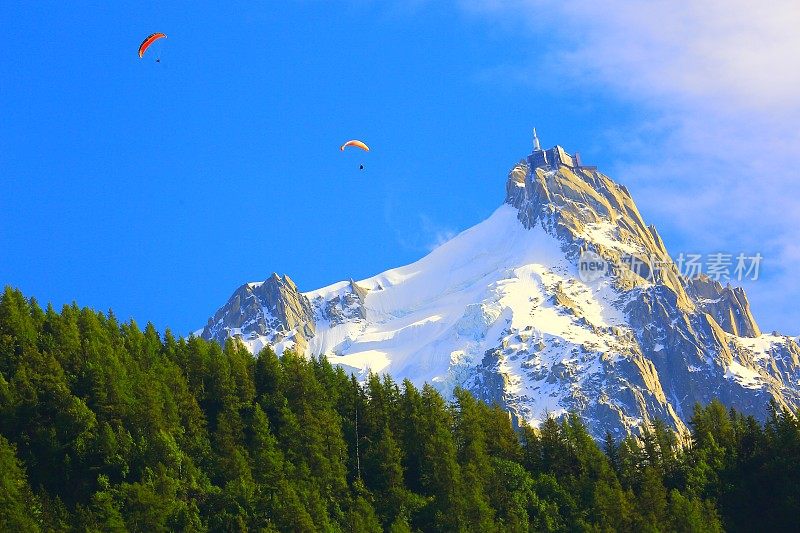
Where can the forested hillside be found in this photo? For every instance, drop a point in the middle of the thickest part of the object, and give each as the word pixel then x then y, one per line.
pixel 107 427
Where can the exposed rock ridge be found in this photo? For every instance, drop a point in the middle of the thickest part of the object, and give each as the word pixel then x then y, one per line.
pixel 588 211
pixel 684 328
pixel 346 304
pixel 728 305
pixel 274 308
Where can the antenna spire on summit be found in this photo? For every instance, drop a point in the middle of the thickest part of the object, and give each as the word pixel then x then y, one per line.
pixel 536 145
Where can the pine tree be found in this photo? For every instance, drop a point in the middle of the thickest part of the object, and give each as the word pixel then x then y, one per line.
pixel 651 498
pixel 476 465
pixel 440 473
pixel 691 515
pixel 383 475
pixel 16 497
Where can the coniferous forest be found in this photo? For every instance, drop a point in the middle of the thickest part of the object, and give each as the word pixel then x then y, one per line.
pixel 108 427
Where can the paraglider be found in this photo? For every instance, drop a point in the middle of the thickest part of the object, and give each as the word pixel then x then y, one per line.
pixel 147 42
pixel 357 144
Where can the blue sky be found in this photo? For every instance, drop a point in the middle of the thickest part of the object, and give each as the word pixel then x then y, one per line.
pixel 155 189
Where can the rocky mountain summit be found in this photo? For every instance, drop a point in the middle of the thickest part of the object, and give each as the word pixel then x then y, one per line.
pixel 507 310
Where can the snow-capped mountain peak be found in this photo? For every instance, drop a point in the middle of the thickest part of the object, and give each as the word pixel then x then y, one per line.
pixel 505 310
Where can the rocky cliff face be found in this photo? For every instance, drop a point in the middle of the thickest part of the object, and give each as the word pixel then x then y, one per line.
pixel 728 306
pixel 272 312
pixel 505 311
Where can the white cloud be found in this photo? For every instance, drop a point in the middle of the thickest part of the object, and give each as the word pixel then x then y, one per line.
pixel 417 232
pixel 720 164
pixel 434 234
pixel 733 51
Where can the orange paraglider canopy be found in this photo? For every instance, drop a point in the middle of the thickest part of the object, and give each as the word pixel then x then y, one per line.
pixel 357 144
pixel 147 42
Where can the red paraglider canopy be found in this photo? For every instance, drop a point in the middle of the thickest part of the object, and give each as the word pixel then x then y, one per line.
pixel 147 42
